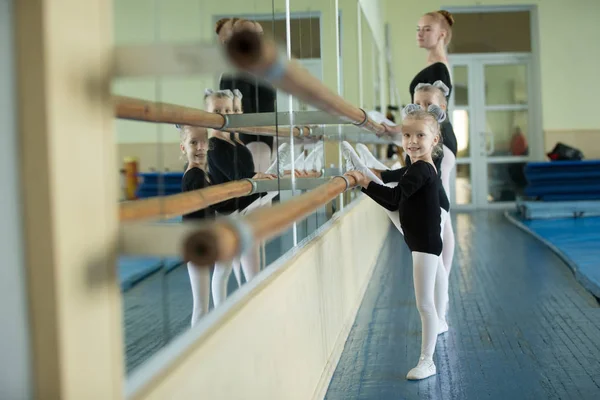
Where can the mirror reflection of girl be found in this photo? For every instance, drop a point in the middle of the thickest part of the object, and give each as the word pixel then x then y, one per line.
pixel 258 96
pixel 230 160
pixel 416 200
pixel 194 146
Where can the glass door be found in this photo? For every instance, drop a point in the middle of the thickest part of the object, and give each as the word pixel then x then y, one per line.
pixel 492 119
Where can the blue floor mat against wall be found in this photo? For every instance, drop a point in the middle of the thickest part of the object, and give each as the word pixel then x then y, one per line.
pixel 575 240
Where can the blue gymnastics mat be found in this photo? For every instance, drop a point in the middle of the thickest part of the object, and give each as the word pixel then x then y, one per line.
pixel 558 209
pixel 562 166
pixel 575 240
pixel 132 269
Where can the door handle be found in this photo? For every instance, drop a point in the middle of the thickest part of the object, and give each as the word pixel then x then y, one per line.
pixel 492 145
pixel 488 146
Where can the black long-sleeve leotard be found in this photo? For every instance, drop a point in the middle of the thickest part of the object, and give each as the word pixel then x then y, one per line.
pixel 257 97
pixel 194 179
pixel 231 162
pixel 416 198
pixel 395 175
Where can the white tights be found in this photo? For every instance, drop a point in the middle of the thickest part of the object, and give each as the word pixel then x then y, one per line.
pixel 200 283
pixel 431 287
pixel 448 164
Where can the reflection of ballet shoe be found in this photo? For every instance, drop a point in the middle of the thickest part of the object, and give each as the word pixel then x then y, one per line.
pixel 442 327
pixel 353 162
pixel 314 159
pixel 309 161
pixel 424 369
pixel 368 158
pixel 299 164
pixel 283 158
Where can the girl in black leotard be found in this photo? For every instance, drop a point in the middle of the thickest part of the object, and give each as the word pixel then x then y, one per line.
pixel 416 199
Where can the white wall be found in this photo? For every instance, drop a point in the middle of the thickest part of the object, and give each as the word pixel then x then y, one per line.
pixel 15 379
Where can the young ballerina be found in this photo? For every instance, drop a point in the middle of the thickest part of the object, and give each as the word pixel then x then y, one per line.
pixel 416 199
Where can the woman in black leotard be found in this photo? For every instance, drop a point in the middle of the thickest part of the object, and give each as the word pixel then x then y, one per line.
pixel 257 96
pixel 416 199
pixel 434 34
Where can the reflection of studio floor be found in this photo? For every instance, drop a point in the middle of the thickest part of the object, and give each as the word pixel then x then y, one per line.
pixel 521 326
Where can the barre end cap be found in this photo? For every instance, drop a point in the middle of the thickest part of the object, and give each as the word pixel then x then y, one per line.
pixel 201 248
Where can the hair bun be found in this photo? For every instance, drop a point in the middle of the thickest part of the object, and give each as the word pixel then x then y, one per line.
pixel 448 16
pixel 437 112
pixel 409 109
pixel 442 86
pixel 237 93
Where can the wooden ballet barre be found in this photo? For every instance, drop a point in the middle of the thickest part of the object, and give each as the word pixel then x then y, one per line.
pixel 149 111
pixel 165 207
pixel 225 238
pixel 258 55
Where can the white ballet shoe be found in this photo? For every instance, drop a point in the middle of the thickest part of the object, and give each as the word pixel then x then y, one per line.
pixel 442 327
pixel 283 159
pixel 314 157
pixel 299 163
pixel 368 158
pixel 353 162
pixel 380 118
pixel 424 369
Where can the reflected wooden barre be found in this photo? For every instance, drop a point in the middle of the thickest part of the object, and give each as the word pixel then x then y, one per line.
pixel 224 239
pixel 306 174
pixel 149 111
pixel 259 55
pixel 165 207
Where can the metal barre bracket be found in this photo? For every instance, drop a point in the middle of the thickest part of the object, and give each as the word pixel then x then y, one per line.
pixel 254 185
pixel 364 121
pixel 345 180
pixel 226 121
pixel 244 232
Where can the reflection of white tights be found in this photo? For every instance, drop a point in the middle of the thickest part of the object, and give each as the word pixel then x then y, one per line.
pixel 261 155
pixel 448 164
pixel 249 263
pixel 200 283
pixel 431 287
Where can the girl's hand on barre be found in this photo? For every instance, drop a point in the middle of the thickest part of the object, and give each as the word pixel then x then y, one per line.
pixel 262 175
pixel 390 130
pixel 299 173
pixel 360 178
